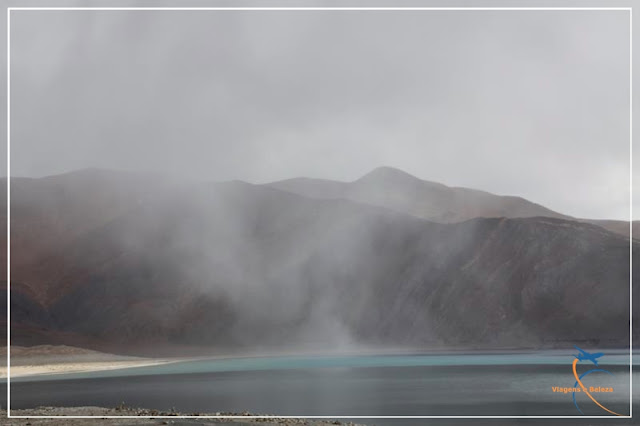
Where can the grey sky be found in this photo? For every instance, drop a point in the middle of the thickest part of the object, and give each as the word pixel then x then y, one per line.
pixel 534 104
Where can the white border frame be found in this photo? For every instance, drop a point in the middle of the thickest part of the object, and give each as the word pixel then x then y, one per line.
pixel 264 9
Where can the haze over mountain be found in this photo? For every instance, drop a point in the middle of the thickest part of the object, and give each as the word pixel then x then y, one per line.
pixel 394 189
pixel 105 259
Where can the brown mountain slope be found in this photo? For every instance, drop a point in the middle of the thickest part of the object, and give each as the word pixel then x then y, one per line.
pixel 49 213
pixel 394 189
pixel 234 264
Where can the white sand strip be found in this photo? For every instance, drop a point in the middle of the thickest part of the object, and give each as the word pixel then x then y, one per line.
pixel 75 367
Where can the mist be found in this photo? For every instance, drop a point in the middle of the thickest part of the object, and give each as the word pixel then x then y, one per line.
pixel 133 264
pixel 221 173
pixel 515 103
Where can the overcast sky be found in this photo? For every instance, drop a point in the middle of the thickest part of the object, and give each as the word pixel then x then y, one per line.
pixel 534 104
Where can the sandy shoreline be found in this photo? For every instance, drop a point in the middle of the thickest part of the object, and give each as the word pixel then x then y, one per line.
pixel 47 359
pixel 51 360
pixel 75 367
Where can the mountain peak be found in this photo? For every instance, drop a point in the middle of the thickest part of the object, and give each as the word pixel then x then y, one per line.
pixel 388 175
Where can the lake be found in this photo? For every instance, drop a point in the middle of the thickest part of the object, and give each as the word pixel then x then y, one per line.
pixel 482 384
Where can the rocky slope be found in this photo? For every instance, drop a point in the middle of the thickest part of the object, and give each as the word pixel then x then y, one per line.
pixel 106 260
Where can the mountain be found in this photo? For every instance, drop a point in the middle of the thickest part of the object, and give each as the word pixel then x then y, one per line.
pixel 234 265
pixel 402 192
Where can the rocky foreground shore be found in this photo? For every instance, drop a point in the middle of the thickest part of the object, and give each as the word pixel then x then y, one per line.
pixel 157 418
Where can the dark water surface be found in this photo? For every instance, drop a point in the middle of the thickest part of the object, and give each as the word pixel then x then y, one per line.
pixel 406 385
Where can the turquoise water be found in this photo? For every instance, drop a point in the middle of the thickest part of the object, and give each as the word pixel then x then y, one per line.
pixel 213 365
pixel 489 384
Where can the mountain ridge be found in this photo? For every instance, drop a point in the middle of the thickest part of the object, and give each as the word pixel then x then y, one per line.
pixel 131 264
pixel 241 265
pixel 393 188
